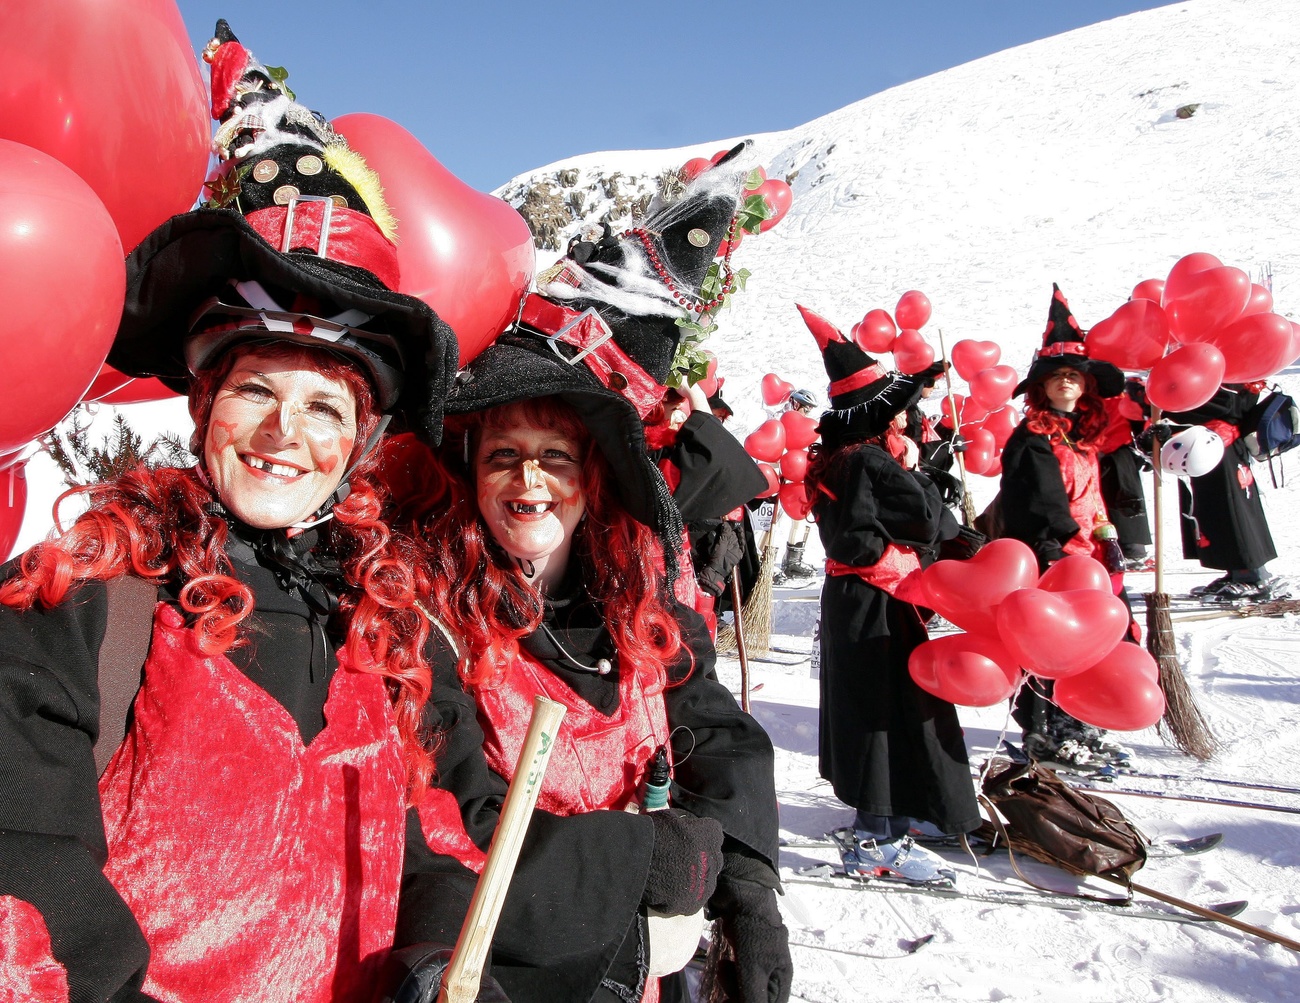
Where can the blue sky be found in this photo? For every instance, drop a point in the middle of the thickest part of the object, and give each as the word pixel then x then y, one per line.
pixel 496 88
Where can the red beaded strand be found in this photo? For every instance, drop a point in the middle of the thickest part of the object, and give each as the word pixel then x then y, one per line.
pixel 690 301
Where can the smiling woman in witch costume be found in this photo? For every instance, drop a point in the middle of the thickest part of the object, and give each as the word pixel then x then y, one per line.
pixel 212 683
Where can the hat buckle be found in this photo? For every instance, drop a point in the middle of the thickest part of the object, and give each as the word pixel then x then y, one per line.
pixel 327 218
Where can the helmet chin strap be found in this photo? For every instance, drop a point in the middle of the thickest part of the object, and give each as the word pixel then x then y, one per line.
pixel 326 512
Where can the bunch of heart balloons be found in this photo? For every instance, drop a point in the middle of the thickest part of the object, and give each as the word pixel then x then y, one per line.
pixel 780 448
pixel 1066 625
pixel 986 418
pixel 1205 324
pixel 878 332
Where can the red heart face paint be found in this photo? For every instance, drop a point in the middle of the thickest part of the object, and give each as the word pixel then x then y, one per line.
pixel 529 489
pixel 278 439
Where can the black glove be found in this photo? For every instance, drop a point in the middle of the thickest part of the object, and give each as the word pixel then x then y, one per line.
pixel 415 974
pixel 728 550
pixel 745 905
pixel 684 863
pixel 950 491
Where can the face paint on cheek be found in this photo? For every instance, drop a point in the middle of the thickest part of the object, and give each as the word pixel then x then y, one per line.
pixel 570 490
pixel 222 433
pixel 327 464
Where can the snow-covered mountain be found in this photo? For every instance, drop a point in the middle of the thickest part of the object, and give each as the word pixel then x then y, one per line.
pixel 1094 159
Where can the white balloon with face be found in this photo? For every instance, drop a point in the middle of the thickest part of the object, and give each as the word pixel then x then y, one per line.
pixel 1192 453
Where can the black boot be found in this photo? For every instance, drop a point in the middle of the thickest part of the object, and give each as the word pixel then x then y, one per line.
pixel 793 565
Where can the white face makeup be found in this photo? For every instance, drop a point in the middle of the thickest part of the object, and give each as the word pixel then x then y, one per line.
pixel 278 439
pixel 529 486
pixel 1064 387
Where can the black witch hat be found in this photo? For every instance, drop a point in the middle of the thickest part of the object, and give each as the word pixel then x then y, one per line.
pixel 1064 348
pixel 296 244
pixel 864 397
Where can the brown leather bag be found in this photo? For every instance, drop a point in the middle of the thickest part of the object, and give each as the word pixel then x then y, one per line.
pixel 1059 825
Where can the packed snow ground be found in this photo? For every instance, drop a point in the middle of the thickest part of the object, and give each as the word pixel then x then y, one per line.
pixel 1064 160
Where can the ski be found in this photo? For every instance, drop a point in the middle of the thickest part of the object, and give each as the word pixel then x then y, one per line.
pixel 1212 781
pixel 1107 787
pixel 827 877
pixel 1156 849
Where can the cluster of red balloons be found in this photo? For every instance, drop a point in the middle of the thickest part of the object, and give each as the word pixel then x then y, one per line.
pixel 900 334
pixel 1203 325
pixel 986 418
pixel 780 448
pixel 1066 625
pixel 776 194
pixel 104 132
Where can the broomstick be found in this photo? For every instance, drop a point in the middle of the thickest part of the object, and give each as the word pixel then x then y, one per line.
pixel 460 983
pixel 1186 725
pixel 967 502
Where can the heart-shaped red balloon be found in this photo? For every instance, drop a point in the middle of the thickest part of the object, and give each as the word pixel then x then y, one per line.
pixel 693 168
pixel 1133 337
pixel 1254 347
pixel 1074 572
pixel 794 464
pixel 1261 301
pixel 1212 299
pixel 992 387
pixel 1181 277
pixel 970 356
pixel 775 390
pixel 778 197
pixel 913 310
pixel 875 332
pixel 467 254
pixel 800 430
pixel 1186 378
pixel 950 410
pixel 1056 634
pixel 1149 289
pixel 767 442
pixel 966 592
pixel 912 352
pixel 981 449
pixel 968 669
pixel 1119 693
pixel 773 480
pixel 13 503
pixel 795 501
pixel 1001 423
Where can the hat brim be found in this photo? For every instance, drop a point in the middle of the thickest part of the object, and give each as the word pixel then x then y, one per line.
pixel 1110 379
pixel 193 256
pixel 511 370
pixel 867 412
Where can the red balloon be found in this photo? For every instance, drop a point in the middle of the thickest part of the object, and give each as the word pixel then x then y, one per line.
pixel 1075 572
pixel 794 464
pixel 992 387
pixel 875 332
pixel 694 167
pixel 1210 300
pixel 13 504
pixel 968 669
pixel 778 196
pixel 995 466
pixel 795 501
pixel 1186 378
pixel 1056 634
pixel 1119 693
pixel 773 481
pixel 800 430
pixel 912 353
pixel 969 357
pixel 1001 423
pixel 966 592
pixel 1149 289
pixel 62 282
pixel 1180 278
pixel 1133 337
pixel 972 411
pixel 775 390
pixel 950 410
pixel 767 442
pixel 1261 301
pixel 981 449
pixel 1254 347
pixel 913 310
pixel 113 92
pixel 467 254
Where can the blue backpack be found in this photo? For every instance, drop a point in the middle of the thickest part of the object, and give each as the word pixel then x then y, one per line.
pixel 1272 428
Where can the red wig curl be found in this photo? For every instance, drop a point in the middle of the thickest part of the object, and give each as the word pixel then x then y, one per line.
pixel 160 524
pixel 484 597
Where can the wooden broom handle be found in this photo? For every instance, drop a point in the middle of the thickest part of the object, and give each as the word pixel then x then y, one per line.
pixel 460 983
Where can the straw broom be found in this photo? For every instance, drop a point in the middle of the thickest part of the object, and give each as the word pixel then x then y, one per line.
pixel 756 621
pixel 1183 719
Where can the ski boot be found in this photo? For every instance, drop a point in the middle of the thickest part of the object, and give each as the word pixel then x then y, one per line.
pixel 792 566
pixel 901 860
pixel 1069 756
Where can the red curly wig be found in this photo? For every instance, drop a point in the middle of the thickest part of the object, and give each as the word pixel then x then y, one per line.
pixel 485 599
pixel 158 524
pixel 1088 419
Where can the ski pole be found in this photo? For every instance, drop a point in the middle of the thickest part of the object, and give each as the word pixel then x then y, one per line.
pixel 460 983
pixel 1216 917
